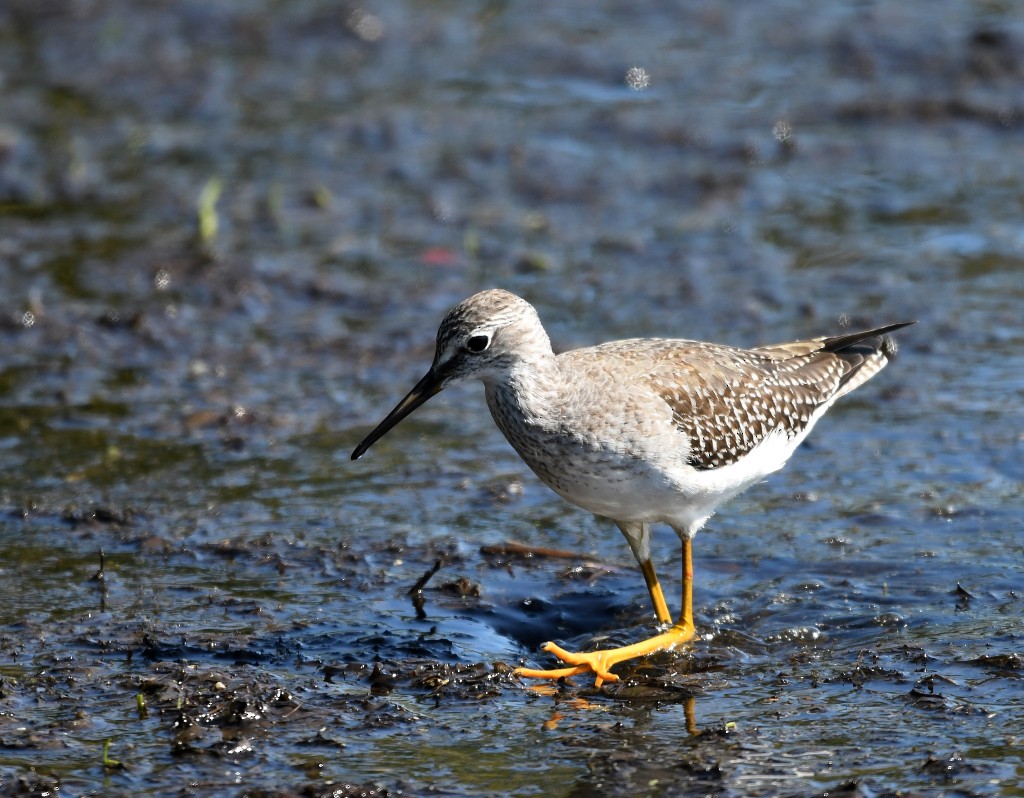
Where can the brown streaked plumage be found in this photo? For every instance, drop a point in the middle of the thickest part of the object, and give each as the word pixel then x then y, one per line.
pixel 644 430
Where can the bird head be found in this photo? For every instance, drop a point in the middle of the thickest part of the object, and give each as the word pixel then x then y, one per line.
pixel 483 337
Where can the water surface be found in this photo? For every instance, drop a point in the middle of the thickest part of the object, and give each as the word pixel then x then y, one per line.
pixel 196 573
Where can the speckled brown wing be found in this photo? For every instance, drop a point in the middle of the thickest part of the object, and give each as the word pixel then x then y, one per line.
pixel 729 409
pixel 727 400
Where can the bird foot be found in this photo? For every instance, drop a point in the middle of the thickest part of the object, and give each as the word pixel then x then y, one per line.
pixel 582 662
pixel 600 662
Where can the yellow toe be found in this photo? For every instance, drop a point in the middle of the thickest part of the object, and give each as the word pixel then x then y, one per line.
pixel 553 673
pixel 601 662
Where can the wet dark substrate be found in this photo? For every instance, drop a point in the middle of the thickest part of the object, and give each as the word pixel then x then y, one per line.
pixel 253 688
pixel 191 568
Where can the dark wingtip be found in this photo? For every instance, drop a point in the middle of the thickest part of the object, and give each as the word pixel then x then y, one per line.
pixel 889 328
pixel 838 343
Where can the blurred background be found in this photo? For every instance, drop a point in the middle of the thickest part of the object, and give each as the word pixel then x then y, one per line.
pixel 228 232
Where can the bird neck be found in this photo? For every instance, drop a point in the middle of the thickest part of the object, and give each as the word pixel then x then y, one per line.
pixel 529 389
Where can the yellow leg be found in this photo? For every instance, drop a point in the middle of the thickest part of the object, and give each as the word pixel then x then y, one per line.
pixel 654 588
pixel 601 662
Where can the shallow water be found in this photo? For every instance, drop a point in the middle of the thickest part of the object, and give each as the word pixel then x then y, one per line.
pixel 195 571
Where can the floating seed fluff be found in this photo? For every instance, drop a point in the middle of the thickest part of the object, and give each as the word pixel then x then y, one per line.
pixel 641 431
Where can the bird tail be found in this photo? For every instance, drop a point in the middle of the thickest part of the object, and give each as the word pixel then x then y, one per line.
pixel 866 353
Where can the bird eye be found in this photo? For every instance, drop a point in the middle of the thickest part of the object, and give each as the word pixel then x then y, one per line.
pixel 478 343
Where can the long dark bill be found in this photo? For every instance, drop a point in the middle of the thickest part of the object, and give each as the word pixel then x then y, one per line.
pixel 424 389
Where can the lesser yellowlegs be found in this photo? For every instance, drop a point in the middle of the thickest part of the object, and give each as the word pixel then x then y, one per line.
pixel 641 431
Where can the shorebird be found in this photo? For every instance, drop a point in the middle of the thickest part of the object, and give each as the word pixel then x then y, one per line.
pixel 641 431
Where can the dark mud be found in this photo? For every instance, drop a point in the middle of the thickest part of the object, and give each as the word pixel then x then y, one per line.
pixel 227 234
